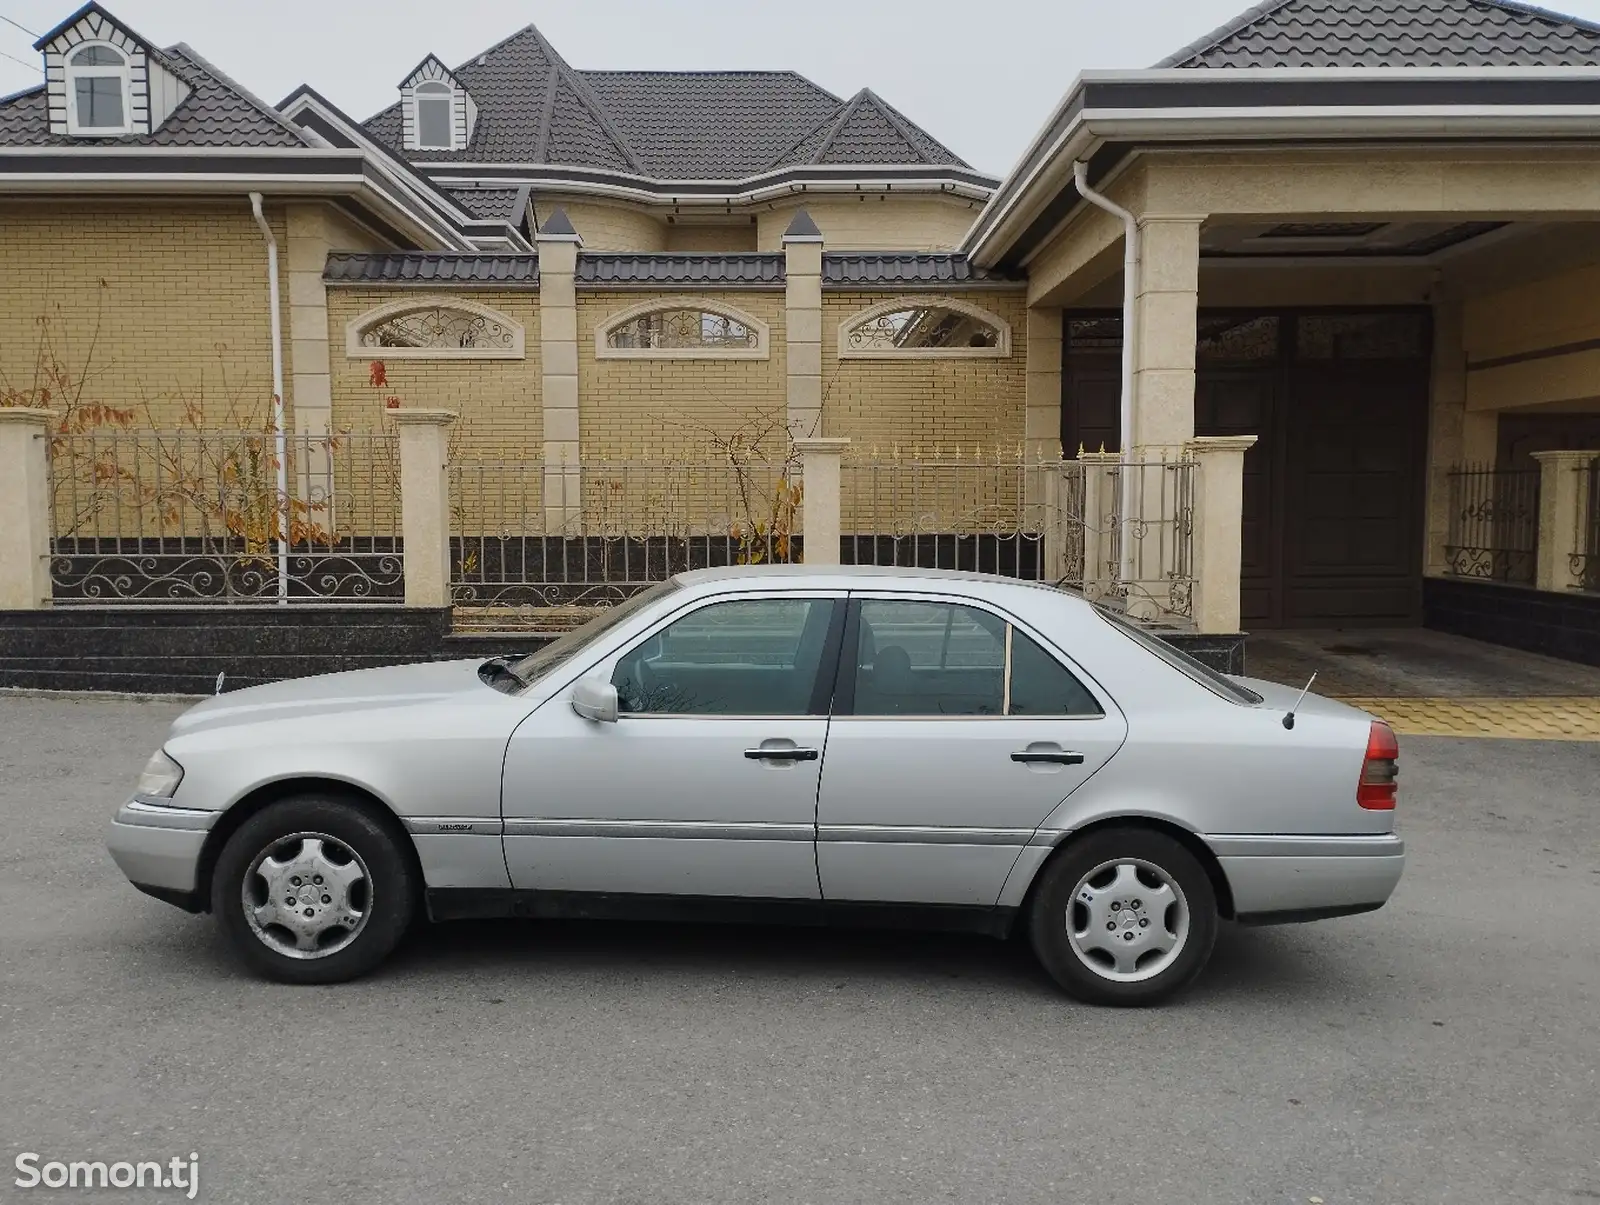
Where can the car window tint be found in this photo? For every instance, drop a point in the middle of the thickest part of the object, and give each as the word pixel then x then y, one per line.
pixel 1041 685
pixel 742 657
pixel 923 658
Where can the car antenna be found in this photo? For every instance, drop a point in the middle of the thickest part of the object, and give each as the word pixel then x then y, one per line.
pixel 1288 720
pixel 220 676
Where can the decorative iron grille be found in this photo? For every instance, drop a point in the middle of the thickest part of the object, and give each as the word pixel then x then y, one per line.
pixel 442 328
pixel 1494 523
pixel 196 517
pixel 683 329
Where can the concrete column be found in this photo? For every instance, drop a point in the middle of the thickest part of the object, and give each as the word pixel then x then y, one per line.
pixel 1218 530
pixel 1563 503
pixel 802 262
pixel 1100 512
pixel 819 474
pixel 1165 317
pixel 24 508
pixel 1447 421
pixel 425 503
pixel 558 246
pixel 1042 416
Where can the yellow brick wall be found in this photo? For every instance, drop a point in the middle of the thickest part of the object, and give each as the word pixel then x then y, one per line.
pixel 498 400
pixel 740 237
pixel 179 292
pixel 608 227
pixel 878 222
pixel 660 409
pixel 934 403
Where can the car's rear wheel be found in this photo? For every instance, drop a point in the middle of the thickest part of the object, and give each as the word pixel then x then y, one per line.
pixel 313 890
pixel 1125 916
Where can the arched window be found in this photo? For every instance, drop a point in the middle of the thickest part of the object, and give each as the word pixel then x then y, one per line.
pixel 436 328
pixel 682 328
pixel 436 116
pixel 97 90
pixel 933 327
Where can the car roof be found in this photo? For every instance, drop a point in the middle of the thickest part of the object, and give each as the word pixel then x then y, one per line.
pixel 891 577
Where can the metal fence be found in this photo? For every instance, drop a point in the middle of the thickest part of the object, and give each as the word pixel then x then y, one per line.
pixel 1586 561
pixel 1139 535
pixel 197 516
pixel 537 535
pixel 1493 523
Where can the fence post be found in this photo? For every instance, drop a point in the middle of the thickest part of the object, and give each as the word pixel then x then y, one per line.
pixel 425 503
pixel 1562 499
pixel 1100 512
pixel 24 508
pixel 819 515
pixel 1218 529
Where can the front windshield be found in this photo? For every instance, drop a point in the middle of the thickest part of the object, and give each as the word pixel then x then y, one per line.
pixel 536 665
pixel 1180 660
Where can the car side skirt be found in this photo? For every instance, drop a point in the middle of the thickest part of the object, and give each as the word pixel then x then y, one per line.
pixel 473 903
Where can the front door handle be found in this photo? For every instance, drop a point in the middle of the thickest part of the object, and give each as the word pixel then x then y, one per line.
pixel 1047 757
pixel 781 754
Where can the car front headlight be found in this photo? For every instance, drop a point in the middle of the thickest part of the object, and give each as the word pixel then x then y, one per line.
pixel 160 778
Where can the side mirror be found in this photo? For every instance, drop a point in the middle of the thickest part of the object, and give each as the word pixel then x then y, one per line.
pixel 595 699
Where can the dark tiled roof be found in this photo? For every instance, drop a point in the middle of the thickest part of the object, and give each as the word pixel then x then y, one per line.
pixel 740 269
pixel 1395 33
pixel 431 268
pixel 492 204
pixel 216 113
pixel 747 269
pixel 872 269
pixel 666 125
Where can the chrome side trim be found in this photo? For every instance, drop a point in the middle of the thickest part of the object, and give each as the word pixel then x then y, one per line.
pixel 453 826
pixel 138 813
pixel 906 834
pixel 1253 845
pixel 1050 837
pixel 682 830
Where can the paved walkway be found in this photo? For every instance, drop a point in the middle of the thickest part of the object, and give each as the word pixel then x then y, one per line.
pixel 1430 684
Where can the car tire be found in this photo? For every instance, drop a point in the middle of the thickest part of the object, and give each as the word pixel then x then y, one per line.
pixel 346 891
pixel 1123 916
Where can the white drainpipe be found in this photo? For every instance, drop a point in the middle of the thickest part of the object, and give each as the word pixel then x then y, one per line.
pixel 279 438
pixel 1130 296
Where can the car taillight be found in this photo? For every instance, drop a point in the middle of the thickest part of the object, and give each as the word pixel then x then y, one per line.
pixel 1380 770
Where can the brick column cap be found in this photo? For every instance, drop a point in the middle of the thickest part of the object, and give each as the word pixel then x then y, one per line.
pixel 27 415
pixel 1564 457
pixel 802 229
pixel 821 443
pixel 421 416
pixel 1221 443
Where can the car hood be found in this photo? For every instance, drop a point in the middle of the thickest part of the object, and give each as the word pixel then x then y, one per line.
pixel 1277 697
pixel 355 690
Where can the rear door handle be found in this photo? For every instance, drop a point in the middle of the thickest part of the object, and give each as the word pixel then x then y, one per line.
pixel 781 754
pixel 1046 757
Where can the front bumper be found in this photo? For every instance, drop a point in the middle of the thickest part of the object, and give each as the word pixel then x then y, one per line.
pixel 1279 879
pixel 158 847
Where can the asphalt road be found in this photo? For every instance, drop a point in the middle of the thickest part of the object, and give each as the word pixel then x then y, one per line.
pixel 1444 1049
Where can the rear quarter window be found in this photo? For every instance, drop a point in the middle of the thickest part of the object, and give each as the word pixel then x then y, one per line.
pixel 1198 671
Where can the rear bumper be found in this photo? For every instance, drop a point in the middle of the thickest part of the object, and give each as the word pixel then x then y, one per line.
pixel 158 848
pixel 1278 879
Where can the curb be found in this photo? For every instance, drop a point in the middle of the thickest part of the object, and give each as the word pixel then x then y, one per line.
pixel 97 696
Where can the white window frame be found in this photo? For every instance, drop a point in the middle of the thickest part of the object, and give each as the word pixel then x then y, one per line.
pixel 123 74
pixel 433 89
pixel 1000 351
pixel 358 326
pixel 604 351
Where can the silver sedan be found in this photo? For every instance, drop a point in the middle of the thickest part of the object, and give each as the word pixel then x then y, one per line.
pixel 818 745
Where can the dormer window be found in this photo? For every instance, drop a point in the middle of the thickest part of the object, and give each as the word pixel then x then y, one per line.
pixel 97 90
pixel 436 120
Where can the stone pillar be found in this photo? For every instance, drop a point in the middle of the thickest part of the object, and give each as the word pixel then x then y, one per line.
pixel 1041 424
pixel 1100 512
pixel 558 246
pixel 1165 317
pixel 24 508
pixel 1447 419
pixel 802 264
pixel 425 503
pixel 1218 530
pixel 819 474
pixel 1563 503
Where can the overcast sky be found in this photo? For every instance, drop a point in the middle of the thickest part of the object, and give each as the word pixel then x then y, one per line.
pixel 980 75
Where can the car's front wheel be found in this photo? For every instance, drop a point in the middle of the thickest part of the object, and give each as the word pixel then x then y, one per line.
pixel 313 890
pixel 1124 916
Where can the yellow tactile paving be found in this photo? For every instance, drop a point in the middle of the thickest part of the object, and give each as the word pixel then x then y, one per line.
pixel 1547 719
